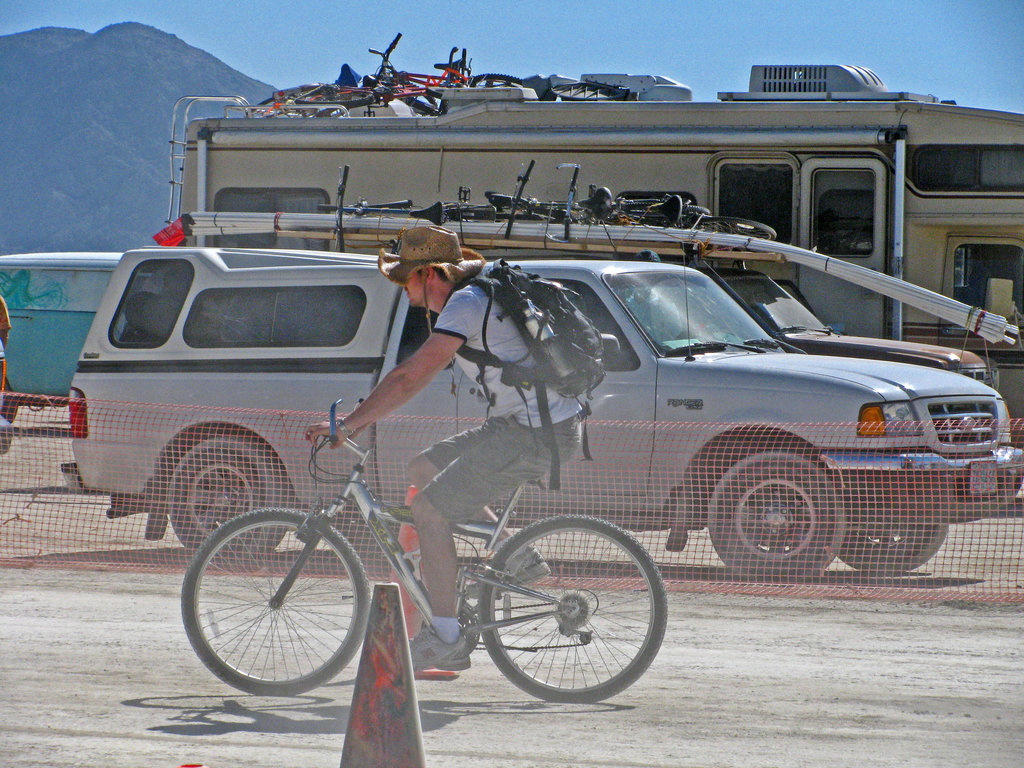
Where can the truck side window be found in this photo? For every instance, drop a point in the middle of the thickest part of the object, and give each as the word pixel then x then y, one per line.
pixel 270 200
pixel 292 316
pixel 151 303
pixel 414 332
pixel 591 305
pixel 975 263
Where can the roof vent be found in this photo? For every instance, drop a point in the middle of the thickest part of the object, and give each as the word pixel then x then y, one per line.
pixel 817 82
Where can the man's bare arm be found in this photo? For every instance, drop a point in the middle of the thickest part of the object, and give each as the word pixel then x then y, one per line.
pixel 401 384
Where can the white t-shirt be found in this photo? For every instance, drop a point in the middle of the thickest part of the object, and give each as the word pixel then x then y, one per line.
pixel 463 317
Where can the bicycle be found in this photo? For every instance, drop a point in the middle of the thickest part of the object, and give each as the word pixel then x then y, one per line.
pixel 275 601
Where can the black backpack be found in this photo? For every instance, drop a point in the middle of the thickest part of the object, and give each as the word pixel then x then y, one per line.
pixel 565 346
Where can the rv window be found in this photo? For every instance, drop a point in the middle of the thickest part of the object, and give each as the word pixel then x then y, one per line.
pixel 270 200
pixel 975 263
pixel 844 212
pixel 151 303
pixel 969 169
pixel 293 316
pixel 759 191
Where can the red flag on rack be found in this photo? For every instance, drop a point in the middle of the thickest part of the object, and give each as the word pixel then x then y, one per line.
pixel 171 235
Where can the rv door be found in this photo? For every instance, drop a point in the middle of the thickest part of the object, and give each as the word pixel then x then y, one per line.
pixel 843 214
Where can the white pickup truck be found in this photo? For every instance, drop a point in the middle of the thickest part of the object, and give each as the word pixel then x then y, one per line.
pixel 788 459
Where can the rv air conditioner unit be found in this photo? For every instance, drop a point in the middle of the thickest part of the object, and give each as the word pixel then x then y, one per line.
pixel 817 82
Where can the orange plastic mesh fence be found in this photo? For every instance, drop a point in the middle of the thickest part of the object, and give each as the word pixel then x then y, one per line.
pixel 789 509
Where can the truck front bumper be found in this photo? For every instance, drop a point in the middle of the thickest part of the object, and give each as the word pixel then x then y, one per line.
pixel 1004 459
pixel 951 489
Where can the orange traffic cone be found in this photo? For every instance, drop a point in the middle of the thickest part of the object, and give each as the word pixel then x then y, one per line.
pixel 384 721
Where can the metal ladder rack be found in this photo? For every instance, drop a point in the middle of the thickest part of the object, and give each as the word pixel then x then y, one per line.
pixel 178 146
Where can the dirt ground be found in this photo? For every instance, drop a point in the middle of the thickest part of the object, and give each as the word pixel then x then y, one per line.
pixel 95 670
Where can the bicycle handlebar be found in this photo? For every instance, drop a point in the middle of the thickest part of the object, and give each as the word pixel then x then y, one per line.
pixel 333 436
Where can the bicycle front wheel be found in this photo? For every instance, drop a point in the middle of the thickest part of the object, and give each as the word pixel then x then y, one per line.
pixel 602 620
pixel 257 637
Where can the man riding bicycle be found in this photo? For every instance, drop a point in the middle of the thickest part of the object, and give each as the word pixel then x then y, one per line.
pixel 457 477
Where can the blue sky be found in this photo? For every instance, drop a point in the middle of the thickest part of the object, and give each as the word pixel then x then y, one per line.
pixel 971 51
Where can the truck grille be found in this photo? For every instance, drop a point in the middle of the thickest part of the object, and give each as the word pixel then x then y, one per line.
pixel 964 422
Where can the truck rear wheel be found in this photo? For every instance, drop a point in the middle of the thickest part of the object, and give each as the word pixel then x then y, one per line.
pixel 216 480
pixel 892 550
pixel 775 515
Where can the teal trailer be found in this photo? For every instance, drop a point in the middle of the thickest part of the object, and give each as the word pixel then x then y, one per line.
pixel 51 299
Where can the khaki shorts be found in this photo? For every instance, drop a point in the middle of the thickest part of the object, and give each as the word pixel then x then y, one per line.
pixel 483 464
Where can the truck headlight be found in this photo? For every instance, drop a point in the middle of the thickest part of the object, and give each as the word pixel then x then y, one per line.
pixel 1003 421
pixel 888 420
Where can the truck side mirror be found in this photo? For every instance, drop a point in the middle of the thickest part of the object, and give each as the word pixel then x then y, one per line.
pixel 999 297
pixel 610 342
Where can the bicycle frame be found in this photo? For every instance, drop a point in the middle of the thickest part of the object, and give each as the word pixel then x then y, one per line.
pixel 391 83
pixel 375 514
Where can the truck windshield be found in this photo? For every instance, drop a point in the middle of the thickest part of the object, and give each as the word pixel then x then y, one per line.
pixel 684 311
pixel 779 310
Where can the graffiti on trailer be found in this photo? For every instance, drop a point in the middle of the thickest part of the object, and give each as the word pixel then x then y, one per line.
pixel 21 291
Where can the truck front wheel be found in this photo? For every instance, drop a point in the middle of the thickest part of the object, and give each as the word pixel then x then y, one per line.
pixel 893 549
pixel 216 480
pixel 774 515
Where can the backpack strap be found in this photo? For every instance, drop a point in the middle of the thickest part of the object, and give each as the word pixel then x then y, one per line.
pixel 515 376
pixel 482 358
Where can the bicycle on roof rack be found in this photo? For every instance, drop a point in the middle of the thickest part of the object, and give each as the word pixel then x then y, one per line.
pixel 678 211
pixel 421 92
pixel 275 601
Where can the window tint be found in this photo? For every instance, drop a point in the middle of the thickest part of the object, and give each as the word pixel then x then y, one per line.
pixel 844 212
pixel 967 169
pixel 293 316
pixel 759 191
pixel 270 200
pixel 974 264
pixel 151 303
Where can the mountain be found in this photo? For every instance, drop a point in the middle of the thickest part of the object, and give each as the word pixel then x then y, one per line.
pixel 84 152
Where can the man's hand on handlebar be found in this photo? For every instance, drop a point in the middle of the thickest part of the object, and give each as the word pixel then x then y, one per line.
pixel 323 429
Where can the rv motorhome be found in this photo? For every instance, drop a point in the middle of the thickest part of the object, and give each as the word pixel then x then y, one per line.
pixel 901 183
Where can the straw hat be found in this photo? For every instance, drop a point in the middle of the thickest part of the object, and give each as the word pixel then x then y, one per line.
pixel 430 247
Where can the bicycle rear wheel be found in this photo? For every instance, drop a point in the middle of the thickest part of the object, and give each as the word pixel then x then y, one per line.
pixel 732 225
pixel 602 624
pixel 253 644
pixel 493 80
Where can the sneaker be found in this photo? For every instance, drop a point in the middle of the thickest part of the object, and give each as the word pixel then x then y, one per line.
pixel 431 652
pixel 527 566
